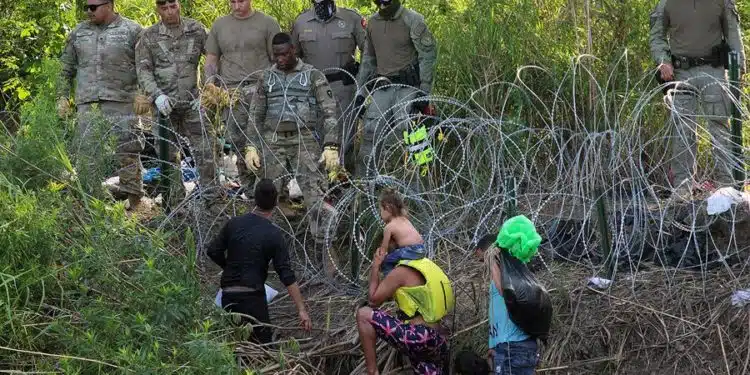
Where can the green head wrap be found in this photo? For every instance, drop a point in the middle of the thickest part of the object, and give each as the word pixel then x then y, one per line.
pixel 519 237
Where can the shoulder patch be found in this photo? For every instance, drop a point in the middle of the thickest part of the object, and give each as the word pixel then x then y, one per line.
pixel 329 93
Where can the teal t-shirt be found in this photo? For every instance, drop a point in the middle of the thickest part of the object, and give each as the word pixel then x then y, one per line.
pixel 502 328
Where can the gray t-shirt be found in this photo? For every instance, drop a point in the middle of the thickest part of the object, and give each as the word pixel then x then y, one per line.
pixel 243 46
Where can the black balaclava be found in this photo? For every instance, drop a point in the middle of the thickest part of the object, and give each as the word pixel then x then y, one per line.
pixel 391 7
pixel 324 9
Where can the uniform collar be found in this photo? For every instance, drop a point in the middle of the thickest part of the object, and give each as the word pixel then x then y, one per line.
pixel 164 30
pixel 115 23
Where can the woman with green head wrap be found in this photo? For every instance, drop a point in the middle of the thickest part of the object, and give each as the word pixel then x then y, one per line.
pixel 514 350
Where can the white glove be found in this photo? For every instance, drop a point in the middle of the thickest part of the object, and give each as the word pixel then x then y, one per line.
pixel 162 103
pixel 330 157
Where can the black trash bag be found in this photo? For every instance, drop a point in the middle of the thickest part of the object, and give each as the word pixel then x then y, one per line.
pixel 528 303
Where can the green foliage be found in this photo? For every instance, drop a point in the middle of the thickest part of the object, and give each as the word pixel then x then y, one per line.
pixel 81 280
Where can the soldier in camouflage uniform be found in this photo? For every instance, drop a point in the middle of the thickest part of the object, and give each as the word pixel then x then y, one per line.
pixel 167 56
pixel 237 50
pixel 685 39
pixel 100 55
pixel 399 49
pixel 326 37
pixel 289 98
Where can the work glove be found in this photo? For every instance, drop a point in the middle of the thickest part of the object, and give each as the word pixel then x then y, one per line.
pixel 63 107
pixel 163 104
pixel 252 159
pixel 423 106
pixel 359 106
pixel 141 105
pixel 330 157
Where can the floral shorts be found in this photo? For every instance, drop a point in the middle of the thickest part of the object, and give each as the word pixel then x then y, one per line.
pixel 425 346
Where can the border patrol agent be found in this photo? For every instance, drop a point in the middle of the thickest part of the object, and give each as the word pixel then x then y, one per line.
pixel 686 41
pixel 399 49
pixel 327 37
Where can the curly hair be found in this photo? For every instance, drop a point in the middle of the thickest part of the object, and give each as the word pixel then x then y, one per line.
pixel 391 201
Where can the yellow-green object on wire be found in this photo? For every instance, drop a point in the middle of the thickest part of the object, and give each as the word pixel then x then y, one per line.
pixel 418 145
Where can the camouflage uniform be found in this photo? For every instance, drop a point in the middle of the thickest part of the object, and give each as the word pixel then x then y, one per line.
pixel 167 60
pixel 101 58
pixel 244 49
pixel 691 30
pixel 329 46
pixel 391 47
pixel 285 109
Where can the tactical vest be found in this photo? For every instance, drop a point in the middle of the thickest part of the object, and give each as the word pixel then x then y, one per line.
pixel 433 300
pixel 290 98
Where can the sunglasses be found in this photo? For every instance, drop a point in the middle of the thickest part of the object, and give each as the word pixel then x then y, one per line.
pixel 93 7
pixel 164 2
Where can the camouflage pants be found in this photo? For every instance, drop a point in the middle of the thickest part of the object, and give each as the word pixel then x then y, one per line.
pixel 236 121
pixel 186 122
pixel 288 155
pixel 386 117
pixel 113 119
pixel 701 89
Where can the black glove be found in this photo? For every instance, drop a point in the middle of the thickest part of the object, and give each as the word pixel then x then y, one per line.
pixel 421 104
pixel 352 68
pixel 359 106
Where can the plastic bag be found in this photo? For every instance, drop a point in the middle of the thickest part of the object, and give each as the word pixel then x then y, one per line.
pixel 528 303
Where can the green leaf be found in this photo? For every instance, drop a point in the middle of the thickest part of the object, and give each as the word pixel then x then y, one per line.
pixel 22 93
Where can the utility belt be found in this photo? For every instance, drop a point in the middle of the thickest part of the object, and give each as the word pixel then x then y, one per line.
pixel 686 62
pixel 408 76
pixel 719 58
pixel 347 77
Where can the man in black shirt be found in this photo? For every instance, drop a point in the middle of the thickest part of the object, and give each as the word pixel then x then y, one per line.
pixel 243 249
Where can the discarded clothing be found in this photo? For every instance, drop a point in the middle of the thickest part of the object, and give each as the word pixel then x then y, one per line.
pixel 723 199
pixel 412 252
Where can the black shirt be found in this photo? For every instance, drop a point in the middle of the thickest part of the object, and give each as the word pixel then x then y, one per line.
pixel 245 246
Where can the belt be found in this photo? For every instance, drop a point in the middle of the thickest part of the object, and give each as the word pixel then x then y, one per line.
pixel 292 133
pixel 685 62
pixel 239 289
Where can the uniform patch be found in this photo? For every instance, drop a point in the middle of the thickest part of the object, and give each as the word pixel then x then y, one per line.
pixel 330 94
pixel 342 24
pixel 427 39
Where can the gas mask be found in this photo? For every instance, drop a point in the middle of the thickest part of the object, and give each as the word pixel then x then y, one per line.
pixel 389 7
pixel 324 9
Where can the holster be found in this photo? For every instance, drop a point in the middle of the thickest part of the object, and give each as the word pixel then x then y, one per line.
pixel 407 76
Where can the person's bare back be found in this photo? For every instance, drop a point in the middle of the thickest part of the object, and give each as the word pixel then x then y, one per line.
pixel 403 233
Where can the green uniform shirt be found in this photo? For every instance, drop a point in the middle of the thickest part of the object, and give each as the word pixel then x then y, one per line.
pixel 101 60
pixel 331 43
pixel 392 45
pixel 693 28
pixel 167 59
